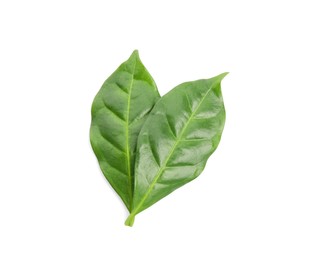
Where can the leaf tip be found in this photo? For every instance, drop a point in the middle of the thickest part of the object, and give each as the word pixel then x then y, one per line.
pixel 134 57
pixel 135 53
pixel 223 75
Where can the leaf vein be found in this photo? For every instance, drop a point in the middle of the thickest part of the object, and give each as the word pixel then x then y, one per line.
pixel 154 155
pixel 121 88
pixel 170 126
pixel 105 106
pixel 112 143
pixel 130 188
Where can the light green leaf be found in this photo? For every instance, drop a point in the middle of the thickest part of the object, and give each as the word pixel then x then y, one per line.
pixel 118 112
pixel 181 132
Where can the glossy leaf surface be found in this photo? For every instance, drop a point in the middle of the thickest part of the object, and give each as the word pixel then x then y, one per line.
pixel 182 131
pixel 118 112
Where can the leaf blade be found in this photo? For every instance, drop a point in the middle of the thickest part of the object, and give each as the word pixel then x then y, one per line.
pixel 196 111
pixel 118 112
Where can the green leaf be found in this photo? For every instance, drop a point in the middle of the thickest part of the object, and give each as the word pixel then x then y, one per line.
pixel 182 131
pixel 118 112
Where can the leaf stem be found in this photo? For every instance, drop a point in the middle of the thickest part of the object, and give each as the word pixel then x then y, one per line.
pixel 130 220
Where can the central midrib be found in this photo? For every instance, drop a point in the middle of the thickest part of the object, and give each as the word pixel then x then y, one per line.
pixel 170 155
pixel 130 190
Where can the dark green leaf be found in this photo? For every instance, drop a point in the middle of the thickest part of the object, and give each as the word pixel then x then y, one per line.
pixel 181 132
pixel 118 112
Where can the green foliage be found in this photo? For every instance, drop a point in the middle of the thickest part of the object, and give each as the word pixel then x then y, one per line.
pixel 148 150
pixel 118 112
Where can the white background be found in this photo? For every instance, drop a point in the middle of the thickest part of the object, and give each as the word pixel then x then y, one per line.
pixel 254 199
